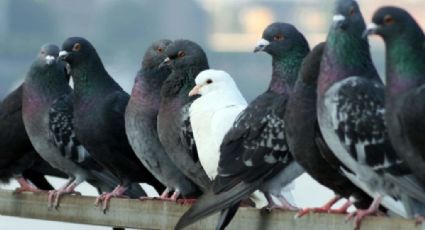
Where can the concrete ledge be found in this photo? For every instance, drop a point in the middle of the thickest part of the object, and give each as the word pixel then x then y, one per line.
pixel 153 214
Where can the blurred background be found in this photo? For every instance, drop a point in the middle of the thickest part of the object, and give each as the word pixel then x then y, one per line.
pixel 121 30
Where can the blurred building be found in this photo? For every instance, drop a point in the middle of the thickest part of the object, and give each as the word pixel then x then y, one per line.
pixel 122 30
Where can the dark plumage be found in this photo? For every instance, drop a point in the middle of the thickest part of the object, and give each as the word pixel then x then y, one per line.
pixel 186 60
pixel 305 139
pixel 17 156
pixel 47 114
pixel 99 107
pixel 254 153
pixel 350 111
pixel 141 123
pixel 405 91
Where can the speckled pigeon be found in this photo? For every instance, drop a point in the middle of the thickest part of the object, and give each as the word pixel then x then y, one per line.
pixel 48 119
pixel 254 153
pixel 350 109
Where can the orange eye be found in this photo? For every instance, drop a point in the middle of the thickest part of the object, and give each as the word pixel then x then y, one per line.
pixel 278 37
pixel 352 11
pixel 388 20
pixel 209 81
pixel 180 54
pixel 76 47
pixel 160 49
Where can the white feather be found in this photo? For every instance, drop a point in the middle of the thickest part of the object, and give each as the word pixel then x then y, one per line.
pixel 212 115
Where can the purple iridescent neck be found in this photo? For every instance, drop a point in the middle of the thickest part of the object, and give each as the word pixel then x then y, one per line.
pixel 147 88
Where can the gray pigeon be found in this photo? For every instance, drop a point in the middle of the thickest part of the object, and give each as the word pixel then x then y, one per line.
pixel 306 142
pixel 186 59
pixel 48 119
pixel 405 45
pixel 350 110
pixel 254 153
pixel 18 159
pixel 141 124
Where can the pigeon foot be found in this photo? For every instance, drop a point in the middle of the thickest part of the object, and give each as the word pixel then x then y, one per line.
pixel 26 186
pixel 360 214
pixel 106 197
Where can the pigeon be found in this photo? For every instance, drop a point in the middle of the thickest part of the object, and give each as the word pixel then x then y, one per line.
pixel 405 59
pixel 350 111
pixel 48 119
pixel 186 59
pixel 254 153
pixel 306 142
pixel 99 107
pixel 18 157
pixel 213 113
pixel 141 124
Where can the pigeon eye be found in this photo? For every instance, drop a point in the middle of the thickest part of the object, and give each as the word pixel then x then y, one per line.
pixel 43 53
pixel 278 37
pixel 180 54
pixel 76 47
pixel 352 11
pixel 160 49
pixel 209 81
pixel 388 20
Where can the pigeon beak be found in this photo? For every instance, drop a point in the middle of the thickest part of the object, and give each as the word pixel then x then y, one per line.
pixel 261 45
pixel 166 62
pixel 63 55
pixel 195 91
pixel 49 59
pixel 339 21
pixel 371 28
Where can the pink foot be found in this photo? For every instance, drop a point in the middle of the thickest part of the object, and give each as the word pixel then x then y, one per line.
pixel 360 214
pixel 165 194
pixel 106 197
pixel 327 208
pixel 26 186
pixel 55 195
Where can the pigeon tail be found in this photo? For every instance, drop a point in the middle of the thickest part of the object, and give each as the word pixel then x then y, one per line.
pixel 210 203
pixel 226 216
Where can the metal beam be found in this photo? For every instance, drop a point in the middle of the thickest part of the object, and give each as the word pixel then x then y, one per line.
pixel 152 214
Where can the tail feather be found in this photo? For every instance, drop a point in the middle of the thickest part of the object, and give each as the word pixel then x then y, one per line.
pixel 209 203
pixel 226 216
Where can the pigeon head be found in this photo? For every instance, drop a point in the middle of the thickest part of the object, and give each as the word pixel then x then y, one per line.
pixel 76 50
pixel 183 54
pixel 280 39
pixel 48 53
pixel 211 80
pixel 155 54
pixel 347 17
pixel 391 22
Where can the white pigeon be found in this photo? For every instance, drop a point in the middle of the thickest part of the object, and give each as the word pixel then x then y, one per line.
pixel 212 115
